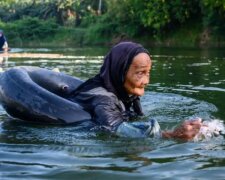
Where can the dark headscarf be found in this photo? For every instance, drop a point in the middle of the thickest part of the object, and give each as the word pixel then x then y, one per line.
pixel 113 72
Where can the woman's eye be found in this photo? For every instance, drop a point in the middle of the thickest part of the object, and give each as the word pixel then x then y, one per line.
pixel 143 73
pixel 140 73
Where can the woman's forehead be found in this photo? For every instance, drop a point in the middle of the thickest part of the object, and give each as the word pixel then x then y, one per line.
pixel 141 60
pixel 141 57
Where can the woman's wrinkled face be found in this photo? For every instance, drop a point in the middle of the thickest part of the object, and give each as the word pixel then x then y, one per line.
pixel 138 75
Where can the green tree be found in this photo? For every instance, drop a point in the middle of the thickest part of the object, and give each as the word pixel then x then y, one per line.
pixel 214 15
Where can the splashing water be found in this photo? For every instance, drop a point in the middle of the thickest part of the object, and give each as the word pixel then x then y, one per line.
pixel 210 129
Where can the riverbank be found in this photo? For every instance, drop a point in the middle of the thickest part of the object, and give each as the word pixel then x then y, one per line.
pixel 77 38
pixel 190 36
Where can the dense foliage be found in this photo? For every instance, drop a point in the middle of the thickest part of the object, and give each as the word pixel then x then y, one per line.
pixel 98 21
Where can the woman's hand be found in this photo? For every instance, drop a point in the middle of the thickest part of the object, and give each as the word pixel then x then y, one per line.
pixel 186 131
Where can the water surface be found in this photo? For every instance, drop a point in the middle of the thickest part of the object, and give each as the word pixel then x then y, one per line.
pixel 185 83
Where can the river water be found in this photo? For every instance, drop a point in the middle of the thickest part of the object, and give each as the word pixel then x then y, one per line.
pixel 185 83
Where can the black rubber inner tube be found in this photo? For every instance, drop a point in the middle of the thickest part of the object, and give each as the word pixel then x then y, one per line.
pixel 39 95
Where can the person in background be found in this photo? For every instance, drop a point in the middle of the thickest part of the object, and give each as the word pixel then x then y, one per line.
pixel 3 42
pixel 112 97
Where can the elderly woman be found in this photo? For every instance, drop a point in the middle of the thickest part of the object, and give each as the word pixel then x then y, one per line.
pixel 112 96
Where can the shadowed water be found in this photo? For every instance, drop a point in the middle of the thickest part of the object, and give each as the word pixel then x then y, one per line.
pixel 185 83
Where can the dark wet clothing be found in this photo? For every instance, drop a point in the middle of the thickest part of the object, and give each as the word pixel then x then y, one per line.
pixel 110 114
pixel 105 108
pixel 2 42
pixel 104 96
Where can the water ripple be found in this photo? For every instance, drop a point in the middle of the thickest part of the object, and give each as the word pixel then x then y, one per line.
pixel 169 107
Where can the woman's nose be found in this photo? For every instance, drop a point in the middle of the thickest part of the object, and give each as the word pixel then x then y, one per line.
pixel 145 80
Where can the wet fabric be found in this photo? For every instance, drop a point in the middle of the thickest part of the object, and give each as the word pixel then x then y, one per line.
pixel 149 128
pixel 110 114
pixel 107 111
